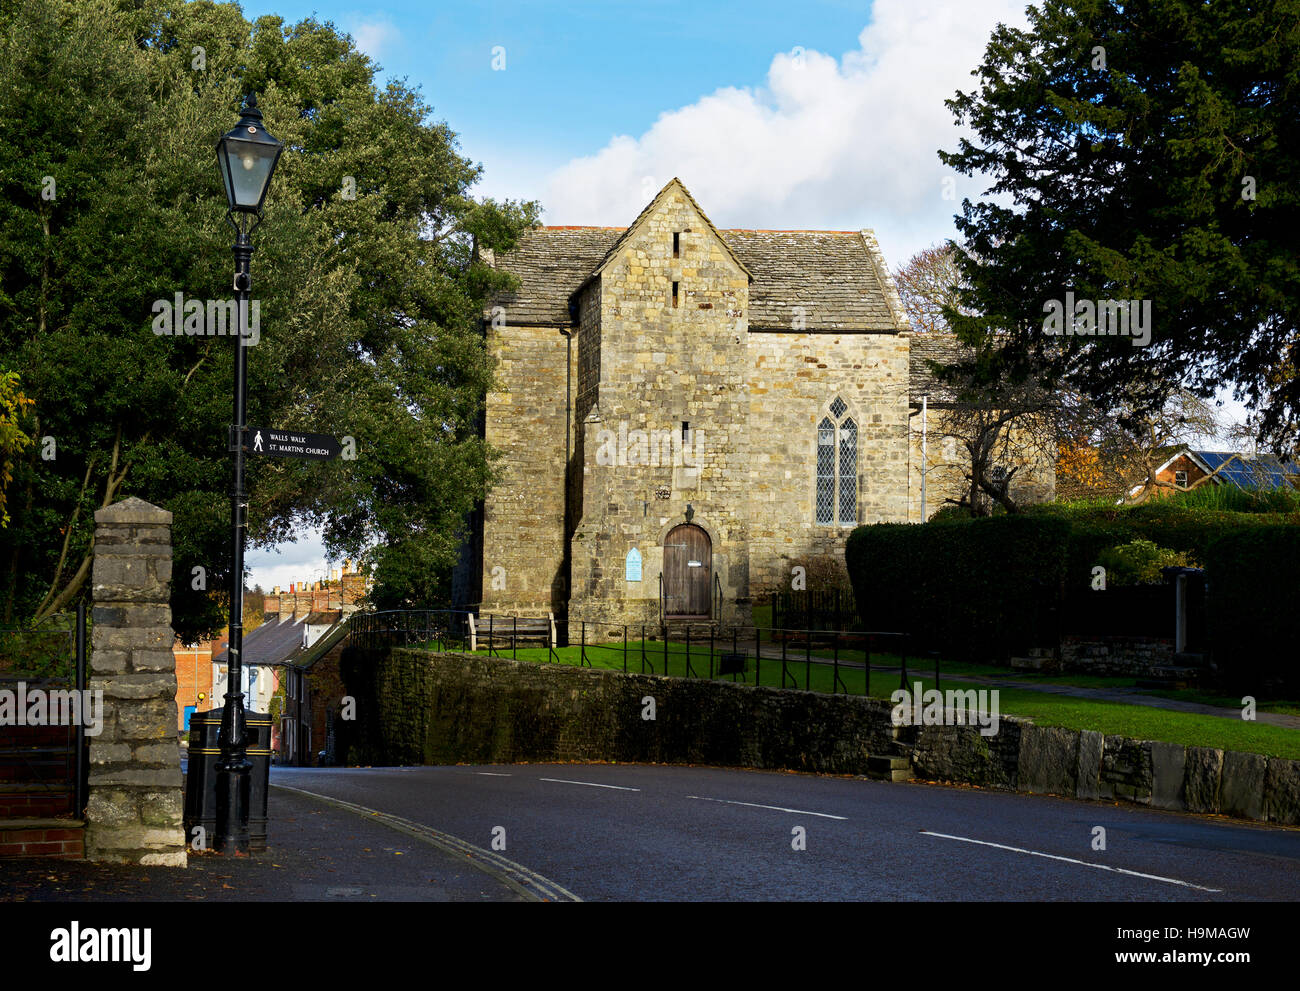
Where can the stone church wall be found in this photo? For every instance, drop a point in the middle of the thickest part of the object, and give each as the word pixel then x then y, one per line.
pixel 660 366
pixel 523 516
pixel 793 379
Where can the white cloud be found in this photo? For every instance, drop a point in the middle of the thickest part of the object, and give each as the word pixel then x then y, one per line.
pixel 303 561
pixel 825 143
pixel 373 35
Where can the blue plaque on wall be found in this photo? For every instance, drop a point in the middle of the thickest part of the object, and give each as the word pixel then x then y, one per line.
pixel 634 565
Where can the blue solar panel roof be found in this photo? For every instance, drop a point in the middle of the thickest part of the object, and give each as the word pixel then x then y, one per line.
pixel 1263 471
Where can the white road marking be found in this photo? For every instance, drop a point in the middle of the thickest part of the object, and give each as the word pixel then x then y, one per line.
pixel 589 784
pixel 531 884
pixel 775 808
pixel 493 774
pixel 1071 860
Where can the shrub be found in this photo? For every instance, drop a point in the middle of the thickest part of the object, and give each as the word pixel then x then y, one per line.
pixel 982 588
pixel 1139 562
pixel 1254 585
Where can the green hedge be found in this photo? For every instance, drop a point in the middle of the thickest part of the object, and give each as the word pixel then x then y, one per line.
pixel 1253 594
pixel 972 591
pixel 982 589
pixel 1190 530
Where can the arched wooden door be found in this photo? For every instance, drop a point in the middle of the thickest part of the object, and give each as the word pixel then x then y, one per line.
pixel 688 570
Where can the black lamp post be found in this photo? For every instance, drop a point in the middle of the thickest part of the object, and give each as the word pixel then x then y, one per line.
pixel 247 157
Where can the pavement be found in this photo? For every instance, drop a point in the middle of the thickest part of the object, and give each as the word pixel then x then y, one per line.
pixel 316 852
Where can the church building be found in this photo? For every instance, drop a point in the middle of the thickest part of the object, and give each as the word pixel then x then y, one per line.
pixel 685 415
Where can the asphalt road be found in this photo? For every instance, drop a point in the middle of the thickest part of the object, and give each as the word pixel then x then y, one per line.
pixel 656 833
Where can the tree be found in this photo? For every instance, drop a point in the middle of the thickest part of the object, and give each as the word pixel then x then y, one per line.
pixel 928 285
pixel 13 441
pixel 1147 152
pixel 1002 426
pixel 366 273
pixel 1129 445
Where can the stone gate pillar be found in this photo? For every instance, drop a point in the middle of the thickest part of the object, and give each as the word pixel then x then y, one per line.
pixel 135 799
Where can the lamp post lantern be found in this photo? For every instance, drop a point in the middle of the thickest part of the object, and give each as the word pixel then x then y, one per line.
pixel 247 156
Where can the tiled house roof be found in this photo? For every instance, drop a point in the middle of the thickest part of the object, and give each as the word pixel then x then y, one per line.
pixel 550 263
pixel 925 348
pixel 838 277
pixel 271 643
pixel 831 274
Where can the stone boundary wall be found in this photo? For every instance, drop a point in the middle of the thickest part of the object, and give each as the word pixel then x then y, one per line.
pixel 1118 656
pixel 135 799
pixel 448 708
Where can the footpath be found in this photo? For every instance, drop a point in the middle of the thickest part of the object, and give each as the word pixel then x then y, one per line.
pixel 316 852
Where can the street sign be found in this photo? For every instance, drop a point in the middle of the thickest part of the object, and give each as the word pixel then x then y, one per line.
pixel 290 444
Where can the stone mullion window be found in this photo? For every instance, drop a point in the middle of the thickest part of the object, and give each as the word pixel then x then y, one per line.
pixel 826 472
pixel 837 468
pixel 848 473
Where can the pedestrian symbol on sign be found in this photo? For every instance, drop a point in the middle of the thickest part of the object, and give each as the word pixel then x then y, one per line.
pixel 257 441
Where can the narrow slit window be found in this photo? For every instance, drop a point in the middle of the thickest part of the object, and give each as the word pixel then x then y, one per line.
pixel 686 431
pixel 675 293
pixel 677 245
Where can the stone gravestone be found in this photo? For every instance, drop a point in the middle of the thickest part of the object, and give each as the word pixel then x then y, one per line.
pixel 135 800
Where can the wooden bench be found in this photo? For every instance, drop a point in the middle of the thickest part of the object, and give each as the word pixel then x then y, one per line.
pixel 511 631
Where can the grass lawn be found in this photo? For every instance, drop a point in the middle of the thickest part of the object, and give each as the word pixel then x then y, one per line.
pixel 1136 721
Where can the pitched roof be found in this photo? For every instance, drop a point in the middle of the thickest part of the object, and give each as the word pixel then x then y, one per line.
pixel 550 263
pixel 1246 471
pixel 926 347
pixel 271 643
pixel 830 274
pixel 838 277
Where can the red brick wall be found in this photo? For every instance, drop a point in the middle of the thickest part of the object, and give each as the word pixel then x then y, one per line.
pixel 65 843
pixel 187 687
pixel 1181 463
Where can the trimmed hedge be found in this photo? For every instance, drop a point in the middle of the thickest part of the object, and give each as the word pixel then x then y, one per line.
pixel 1164 523
pixel 980 590
pixel 985 588
pixel 1252 599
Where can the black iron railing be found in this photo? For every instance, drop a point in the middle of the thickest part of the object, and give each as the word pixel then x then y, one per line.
pixel 702 651
pixel 50 659
pixel 450 629
pixel 683 649
pixel 829 609
pixel 445 628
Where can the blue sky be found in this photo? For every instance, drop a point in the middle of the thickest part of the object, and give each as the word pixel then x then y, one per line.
pixel 575 74
pixel 821 115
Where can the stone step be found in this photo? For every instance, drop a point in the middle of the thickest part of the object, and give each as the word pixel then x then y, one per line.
pixel 888 767
pixel 1036 662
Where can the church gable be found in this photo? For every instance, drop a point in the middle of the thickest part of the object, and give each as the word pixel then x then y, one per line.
pixel 672 212
pixel 671 274
pixel 798 281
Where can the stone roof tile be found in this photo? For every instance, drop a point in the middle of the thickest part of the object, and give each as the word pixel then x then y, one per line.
pixel 833 275
pixel 926 347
